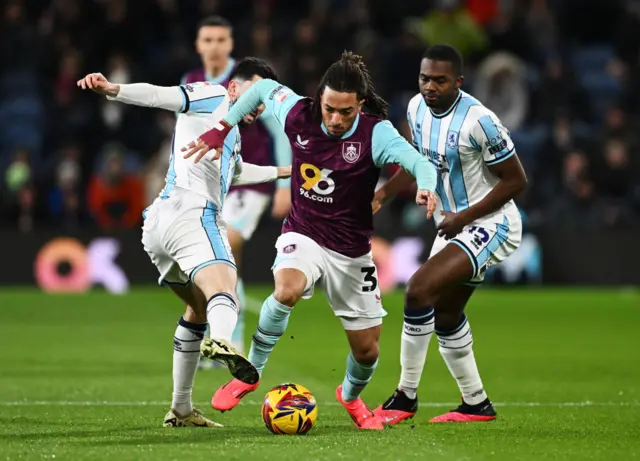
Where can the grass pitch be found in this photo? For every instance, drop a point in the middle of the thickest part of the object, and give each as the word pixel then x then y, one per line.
pixel 89 378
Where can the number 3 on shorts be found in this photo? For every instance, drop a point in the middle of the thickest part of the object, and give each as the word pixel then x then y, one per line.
pixel 370 278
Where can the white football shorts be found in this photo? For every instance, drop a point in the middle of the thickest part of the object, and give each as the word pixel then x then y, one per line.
pixel 350 284
pixel 487 242
pixel 182 234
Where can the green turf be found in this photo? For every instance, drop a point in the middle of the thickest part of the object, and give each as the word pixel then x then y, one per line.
pixel 537 350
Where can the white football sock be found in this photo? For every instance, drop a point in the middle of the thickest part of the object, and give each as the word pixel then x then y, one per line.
pixel 416 334
pixel 456 347
pixel 186 355
pixel 222 315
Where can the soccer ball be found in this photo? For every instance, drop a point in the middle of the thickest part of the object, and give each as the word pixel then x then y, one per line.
pixel 289 409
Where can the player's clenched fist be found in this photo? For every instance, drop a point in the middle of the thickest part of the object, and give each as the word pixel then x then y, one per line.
pixel 210 140
pixel 428 198
pixel 99 83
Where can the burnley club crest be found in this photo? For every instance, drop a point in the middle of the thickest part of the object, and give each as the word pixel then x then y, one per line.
pixel 351 151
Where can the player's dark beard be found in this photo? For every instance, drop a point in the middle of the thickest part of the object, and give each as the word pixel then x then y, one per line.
pixel 336 131
pixel 443 102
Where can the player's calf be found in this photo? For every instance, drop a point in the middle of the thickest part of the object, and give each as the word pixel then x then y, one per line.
pixel 189 333
pixel 456 348
pixel 357 376
pixel 363 358
pixel 361 363
pixel 272 323
pixel 217 282
pixel 274 314
pixel 416 335
pixel 236 241
pixel 186 355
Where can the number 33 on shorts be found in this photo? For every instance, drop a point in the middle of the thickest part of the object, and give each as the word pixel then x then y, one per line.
pixel 487 243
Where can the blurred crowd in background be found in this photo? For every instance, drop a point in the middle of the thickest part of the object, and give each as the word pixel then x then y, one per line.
pixel 561 74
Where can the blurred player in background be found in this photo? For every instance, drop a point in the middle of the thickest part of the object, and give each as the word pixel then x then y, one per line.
pixel 338 151
pixel 263 143
pixel 478 224
pixel 183 233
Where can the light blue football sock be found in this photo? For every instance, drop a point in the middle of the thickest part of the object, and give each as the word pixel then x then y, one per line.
pixel 271 325
pixel 356 378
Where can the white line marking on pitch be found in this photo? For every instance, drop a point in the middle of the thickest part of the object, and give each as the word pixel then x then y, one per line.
pixel 108 403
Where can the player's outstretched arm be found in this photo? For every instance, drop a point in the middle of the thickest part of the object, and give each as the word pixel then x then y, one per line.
pixel 138 94
pixel 277 98
pixel 248 173
pixel 388 146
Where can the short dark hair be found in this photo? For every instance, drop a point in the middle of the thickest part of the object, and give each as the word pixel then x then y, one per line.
pixel 446 53
pixel 250 67
pixel 215 21
pixel 350 75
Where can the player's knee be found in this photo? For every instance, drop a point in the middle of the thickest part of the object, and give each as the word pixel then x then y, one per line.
pixel 420 293
pixel 367 353
pixel 287 294
pixel 289 287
